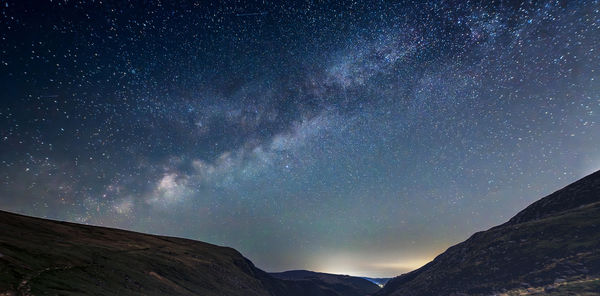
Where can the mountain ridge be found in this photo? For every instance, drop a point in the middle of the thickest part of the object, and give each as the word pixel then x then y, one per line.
pixel 552 247
pixel 40 256
pixel 562 199
pixel 554 240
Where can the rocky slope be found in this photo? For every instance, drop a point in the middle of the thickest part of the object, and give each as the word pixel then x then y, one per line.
pixel 551 247
pixel 342 284
pixel 39 256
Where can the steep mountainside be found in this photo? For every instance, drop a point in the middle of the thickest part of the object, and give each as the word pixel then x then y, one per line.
pixel 583 192
pixel 343 284
pixel 551 247
pixel 39 256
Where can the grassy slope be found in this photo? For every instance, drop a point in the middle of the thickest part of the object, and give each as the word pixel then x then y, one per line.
pixel 532 251
pixel 47 257
pixel 530 254
pixel 44 257
pixel 584 287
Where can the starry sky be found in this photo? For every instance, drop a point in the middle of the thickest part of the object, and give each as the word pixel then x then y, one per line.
pixel 357 137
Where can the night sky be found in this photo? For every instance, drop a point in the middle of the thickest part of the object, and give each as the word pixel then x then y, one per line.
pixel 358 137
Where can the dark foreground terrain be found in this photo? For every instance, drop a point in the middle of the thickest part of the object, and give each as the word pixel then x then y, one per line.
pixel 550 248
pixel 44 257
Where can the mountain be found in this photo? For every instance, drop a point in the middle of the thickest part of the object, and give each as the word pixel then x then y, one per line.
pixel 378 281
pixel 552 247
pixel 39 256
pixel 344 285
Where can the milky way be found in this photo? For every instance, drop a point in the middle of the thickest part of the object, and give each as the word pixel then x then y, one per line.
pixel 357 137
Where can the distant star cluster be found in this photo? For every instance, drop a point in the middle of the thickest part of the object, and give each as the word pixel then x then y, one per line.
pixel 355 137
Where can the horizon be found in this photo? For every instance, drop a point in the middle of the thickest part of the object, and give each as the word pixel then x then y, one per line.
pixel 405 268
pixel 348 138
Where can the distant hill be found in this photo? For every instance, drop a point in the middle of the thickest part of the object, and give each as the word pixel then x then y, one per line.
pixel 44 257
pixel 552 248
pixel 343 285
pixel 378 281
